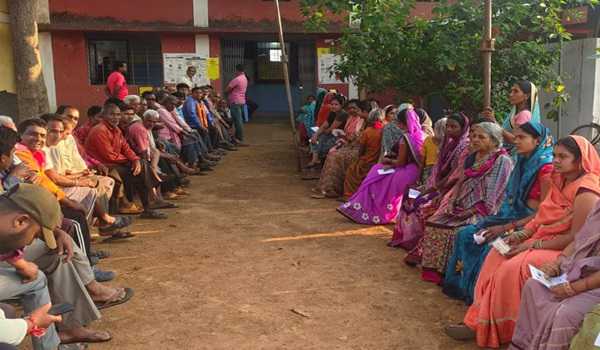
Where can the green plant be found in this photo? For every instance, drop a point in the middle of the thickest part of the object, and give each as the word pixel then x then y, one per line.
pixel 392 49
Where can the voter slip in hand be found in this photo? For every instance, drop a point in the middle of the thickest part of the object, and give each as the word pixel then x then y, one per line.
pixel 412 193
pixel 383 171
pixel 549 282
pixel 501 246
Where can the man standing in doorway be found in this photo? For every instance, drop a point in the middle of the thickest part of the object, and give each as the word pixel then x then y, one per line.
pixel 236 91
pixel 116 85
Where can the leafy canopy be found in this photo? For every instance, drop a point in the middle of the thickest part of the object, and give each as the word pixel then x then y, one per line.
pixel 390 48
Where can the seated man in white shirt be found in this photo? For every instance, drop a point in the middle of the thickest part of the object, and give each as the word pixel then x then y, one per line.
pixel 67 168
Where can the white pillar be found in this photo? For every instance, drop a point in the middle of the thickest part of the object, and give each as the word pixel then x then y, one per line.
pixel 201 13
pixel 45 43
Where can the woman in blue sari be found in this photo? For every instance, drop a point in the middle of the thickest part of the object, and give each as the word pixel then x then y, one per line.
pixel 524 192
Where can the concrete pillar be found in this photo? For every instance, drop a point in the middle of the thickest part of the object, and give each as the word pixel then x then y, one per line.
pixel 201 13
pixel 46 54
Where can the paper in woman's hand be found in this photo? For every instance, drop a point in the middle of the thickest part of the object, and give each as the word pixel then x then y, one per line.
pixel 501 246
pixel 549 282
pixel 338 132
pixel 384 171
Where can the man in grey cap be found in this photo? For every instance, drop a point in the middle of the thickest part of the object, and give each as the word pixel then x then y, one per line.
pixel 29 216
pixel 26 212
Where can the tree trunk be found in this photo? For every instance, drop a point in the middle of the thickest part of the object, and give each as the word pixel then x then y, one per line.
pixel 32 97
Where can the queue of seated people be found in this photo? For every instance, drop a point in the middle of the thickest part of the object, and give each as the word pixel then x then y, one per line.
pixel 62 177
pixel 499 215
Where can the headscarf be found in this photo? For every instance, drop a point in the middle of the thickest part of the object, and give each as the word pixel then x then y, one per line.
pixel 413 136
pixel 450 150
pixel 555 214
pixel 324 109
pixel 534 108
pixel 320 96
pixel 427 124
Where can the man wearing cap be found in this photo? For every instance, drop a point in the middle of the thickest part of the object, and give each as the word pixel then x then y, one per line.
pixel 71 281
pixel 21 220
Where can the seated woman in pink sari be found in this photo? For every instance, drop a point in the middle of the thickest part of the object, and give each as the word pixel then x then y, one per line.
pixel 477 194
pixel 550 317
pixel 377 199
pixel 574 191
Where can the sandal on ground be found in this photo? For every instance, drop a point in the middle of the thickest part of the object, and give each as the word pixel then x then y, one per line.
pixel 117 236
pixel 73 346
pixel 100 254
pixel 163 205
pixel 318 196
pixel 310 176
pixel 460 332
pixel 132 209
pixel 121 296
pixel 120 222
pixel 153 214
pixel 412 260
pixel 95 337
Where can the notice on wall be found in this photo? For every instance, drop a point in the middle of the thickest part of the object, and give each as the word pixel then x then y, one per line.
pixel 326 74
pixel 213 70
pixel 175 66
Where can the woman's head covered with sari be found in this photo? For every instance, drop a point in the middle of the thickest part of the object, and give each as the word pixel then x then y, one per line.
pixel 415 134
pixel 524 173
pixel 555 213
pixel 425 120
pixel 324 109
pixel 452 146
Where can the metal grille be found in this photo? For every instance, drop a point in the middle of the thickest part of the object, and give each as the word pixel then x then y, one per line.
pixel 232 53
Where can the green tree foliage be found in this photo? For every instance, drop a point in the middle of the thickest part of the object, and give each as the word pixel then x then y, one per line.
pixel 392 49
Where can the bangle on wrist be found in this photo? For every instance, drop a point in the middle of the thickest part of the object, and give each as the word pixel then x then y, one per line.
pixel 538 244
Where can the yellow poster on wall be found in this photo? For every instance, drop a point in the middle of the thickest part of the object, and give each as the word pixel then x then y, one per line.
pixel 323 51
pixel 213 68
pixel 143 89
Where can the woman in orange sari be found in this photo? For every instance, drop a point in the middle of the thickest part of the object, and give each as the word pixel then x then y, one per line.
pixel 368 154
pixel 574 190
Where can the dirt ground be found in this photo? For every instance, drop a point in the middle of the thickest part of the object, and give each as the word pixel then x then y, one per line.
pixel 248 247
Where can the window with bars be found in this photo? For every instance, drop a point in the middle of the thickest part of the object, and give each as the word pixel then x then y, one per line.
pixel 142 54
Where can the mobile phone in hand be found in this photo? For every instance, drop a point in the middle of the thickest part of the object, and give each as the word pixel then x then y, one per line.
pixel 60 309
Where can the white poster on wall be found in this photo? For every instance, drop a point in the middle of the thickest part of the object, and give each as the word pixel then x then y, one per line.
pixel 326 75
pixel 175 66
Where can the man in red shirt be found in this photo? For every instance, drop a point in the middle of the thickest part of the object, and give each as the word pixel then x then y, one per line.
pixel 116 85
pixel 106 143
